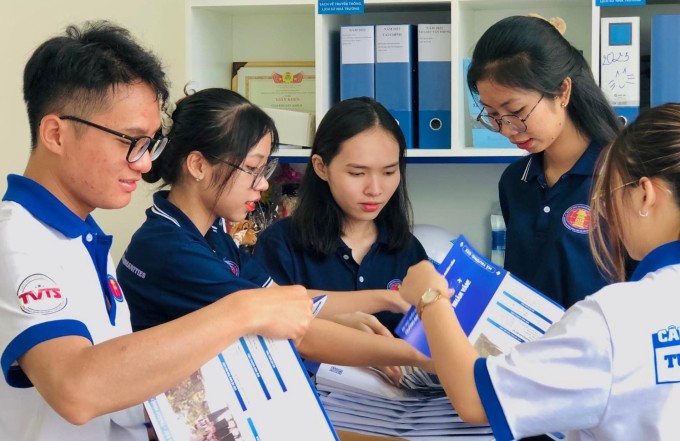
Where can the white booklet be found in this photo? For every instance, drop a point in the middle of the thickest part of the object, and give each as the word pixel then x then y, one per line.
pixel 256 389
pixel 495 309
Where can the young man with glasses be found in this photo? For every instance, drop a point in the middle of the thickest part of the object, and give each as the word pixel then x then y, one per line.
pixel 72 368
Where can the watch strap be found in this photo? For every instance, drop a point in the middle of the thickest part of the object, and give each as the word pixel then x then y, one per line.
pixel 422 304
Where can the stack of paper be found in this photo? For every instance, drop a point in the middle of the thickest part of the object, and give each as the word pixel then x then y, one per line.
pixel 361 400
pixel 495 310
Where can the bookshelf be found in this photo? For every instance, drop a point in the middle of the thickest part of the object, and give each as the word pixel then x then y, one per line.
pixel 223 31
pixel 653 7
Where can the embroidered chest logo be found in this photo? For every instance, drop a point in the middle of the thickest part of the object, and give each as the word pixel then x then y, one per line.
pixel 667 355
pixel 233 267
pixel 394 284
pixel 38 294
pixel 114 289
pixel 577 218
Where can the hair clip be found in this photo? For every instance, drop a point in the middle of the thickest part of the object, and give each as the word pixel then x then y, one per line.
pixel 557 22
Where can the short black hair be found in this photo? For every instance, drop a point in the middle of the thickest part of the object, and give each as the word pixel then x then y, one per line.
pixel 77 70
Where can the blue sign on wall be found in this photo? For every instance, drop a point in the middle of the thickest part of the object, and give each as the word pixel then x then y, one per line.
pixel 341 7
pixel 616 2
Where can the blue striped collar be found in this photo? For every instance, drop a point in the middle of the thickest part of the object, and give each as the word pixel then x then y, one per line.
pixel 665 255
pixel 46 208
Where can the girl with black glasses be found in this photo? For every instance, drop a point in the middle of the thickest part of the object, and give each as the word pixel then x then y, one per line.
pixel 217 163
pixel 537 90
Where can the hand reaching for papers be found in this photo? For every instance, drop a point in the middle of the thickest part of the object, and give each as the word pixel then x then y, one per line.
pixel 362 322
pixel 391 374
pixel 407 377
pixel 394 302
pixel 368 323
pixel 280 312
pixel 419 278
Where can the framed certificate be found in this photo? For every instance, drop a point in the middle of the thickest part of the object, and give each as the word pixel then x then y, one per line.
pixel 286 86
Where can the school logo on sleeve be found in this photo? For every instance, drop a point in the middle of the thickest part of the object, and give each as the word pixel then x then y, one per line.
pixel 233 267
pixel 577 218
pixel 667 355
pixel 38 294
pixel 114 289
pixel 394 284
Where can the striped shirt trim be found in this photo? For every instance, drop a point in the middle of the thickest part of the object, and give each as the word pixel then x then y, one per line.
pixel 526 170
pixel 162 213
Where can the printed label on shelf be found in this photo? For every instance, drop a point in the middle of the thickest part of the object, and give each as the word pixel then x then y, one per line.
pixel 618 2
pixel 341 7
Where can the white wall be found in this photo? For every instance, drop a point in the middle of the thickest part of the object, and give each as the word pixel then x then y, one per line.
pixel 157 24
pixel 458 197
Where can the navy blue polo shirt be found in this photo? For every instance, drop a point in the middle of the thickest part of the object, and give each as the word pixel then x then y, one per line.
pixel 288 263
pixel 547 227
pixel 170 269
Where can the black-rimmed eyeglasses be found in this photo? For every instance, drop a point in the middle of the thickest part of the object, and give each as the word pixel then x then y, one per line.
pixel 514 122
pixel 138 144
pixel 264 172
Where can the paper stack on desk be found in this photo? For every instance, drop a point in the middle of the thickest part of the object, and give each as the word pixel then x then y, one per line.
pixel 496 310
pixel 362 400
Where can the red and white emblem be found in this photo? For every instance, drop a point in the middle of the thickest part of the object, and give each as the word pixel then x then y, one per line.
pixel 394 285
pixel 38 294
pixel 114 289
pixel 577 218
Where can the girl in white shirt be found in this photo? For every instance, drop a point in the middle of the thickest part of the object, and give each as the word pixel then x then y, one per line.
pixel 610 369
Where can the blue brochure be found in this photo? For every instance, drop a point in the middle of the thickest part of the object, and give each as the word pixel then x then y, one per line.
pixel 317 304
pixel 495 309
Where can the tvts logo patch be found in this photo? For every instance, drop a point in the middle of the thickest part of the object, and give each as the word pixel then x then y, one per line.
pixel 38 294
pixel 666 344
pixel 577 218
pixel 394 284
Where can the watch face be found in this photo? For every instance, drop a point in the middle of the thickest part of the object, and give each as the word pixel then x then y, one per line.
pixel 430 295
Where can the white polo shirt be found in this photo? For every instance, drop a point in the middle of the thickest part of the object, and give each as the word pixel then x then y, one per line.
pixel 609 370
pixel 56 279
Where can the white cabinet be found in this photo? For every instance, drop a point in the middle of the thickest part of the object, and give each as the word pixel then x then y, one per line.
pixel 221 32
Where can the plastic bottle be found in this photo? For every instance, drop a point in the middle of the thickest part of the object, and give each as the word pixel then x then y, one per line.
pixel 497 236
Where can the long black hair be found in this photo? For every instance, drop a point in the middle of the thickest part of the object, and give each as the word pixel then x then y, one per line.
pixel 218 123
pixel 648 147
pixel 529 53
pixel 318 218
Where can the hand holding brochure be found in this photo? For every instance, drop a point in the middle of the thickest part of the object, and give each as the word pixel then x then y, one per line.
pixel 495 309
pixel 256 389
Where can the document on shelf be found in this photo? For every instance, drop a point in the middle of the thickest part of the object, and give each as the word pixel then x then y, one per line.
pixel 495 309
pixel 256 389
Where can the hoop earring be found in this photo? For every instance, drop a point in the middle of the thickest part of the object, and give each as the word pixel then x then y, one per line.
pixel 643 213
